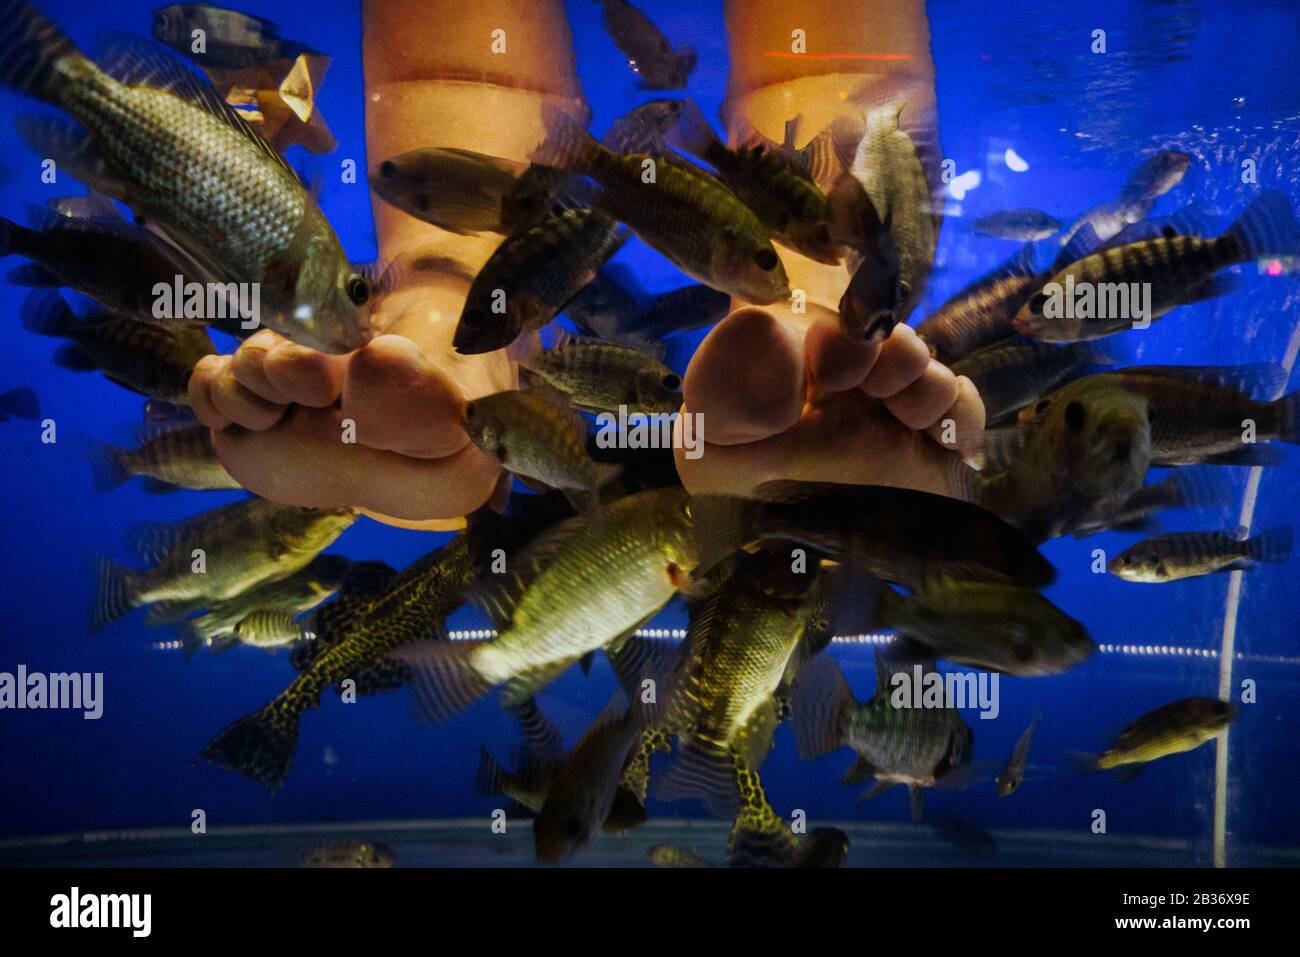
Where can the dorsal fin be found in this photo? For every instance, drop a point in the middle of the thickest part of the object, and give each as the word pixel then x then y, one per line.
pixel 497 595
pixel 1083 243
pixel 139 62
pixel 1256 379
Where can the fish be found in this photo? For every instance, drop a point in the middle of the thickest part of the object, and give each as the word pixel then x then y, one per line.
pixel 154 361
pixel 720 703
pixel 241 545
pixel 687 215
pixel 1184 488
pixel 108 259
pixel 1159 174
pixel 218 628
pixel 1024 225
pixel 376 612
pixel 1010 375
pixel 965 835
pixel 615 308
pixel 1090 297
pixel 19 403
pixel 269 630
pixel 530 277
pixel 343 853
pixel 1200 414
pixel 783 197
pixel 158 137
pixel 1013 773
pixel 887 165
pixel 578 586
pixel 169 459
pixel 597 376
pixel 231 40
pixel 869 308
pixel 1167 558
pixel 583 794
pixel 981 314
pixel 916 747
pixel 457 190
pixel 900 535
pixel 990 625
pixel 1179 726
pixel 1084 459
pixel 649 53
pixel 665 855
pixel 824 847
pixel 536 435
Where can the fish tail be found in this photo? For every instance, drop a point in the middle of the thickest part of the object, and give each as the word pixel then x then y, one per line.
pixel 1271 546
pixel 444 676
pixel 692 132
pixel 1268 227
pixel 1199 488
pixel 108 469
pixel 490 780
pixel 819 706
pixel 1288 414
pixel 1081 762
pixel 20 403
pixel 35 53
pixel 567 145
pixel 11 237
pixel 705 770
pixel 191 640
pixel 116 596
pixel 259 746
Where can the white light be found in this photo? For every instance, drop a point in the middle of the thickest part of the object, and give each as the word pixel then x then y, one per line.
pixel 963 184
pixel 1014 162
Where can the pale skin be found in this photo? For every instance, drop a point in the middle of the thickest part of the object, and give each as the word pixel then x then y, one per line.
pixel 783 395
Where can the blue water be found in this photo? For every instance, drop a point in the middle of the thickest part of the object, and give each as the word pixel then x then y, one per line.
pixel 1207 78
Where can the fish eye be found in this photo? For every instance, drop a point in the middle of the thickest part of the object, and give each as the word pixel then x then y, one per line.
pixel 387 169
pixel 1075 415
pixel 471 411
pixel 882 324
pixel 672 382
pixel 766 259
pixel 1037 302
pixel 358 289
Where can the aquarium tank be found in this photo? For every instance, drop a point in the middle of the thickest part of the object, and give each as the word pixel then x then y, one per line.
pixel 649 434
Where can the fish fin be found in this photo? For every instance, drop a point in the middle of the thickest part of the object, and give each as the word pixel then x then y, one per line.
pixel 1273 545
pixel 585 663
pixel 859 772
pixel 116 594
pixel 38 57
pixel 876 789
pixel 1288 416
pixel 150 541
pixel 45 313
pixel 72 358
pixel 72 149
pixel 820 703
pixel 259 746
pixel 20 403
pixel 522 686
pixel 137 61
pixel 11 235
pixel 723 525
pixel 1129 772
pixel 1200 488
pixel 703 770
pixel 644 659
pixel 191 640
pixel 444 677
pixel 1268 227
pixel 33 276
pixel 1254 378
pixel 693 133
pixel 490 779
pixel 108 469
pixel 1081 762
pixel 167 612
pixel 1257 453
pixel 1082 244
pixel 916 801
pixel 543 743
pixel 567 145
